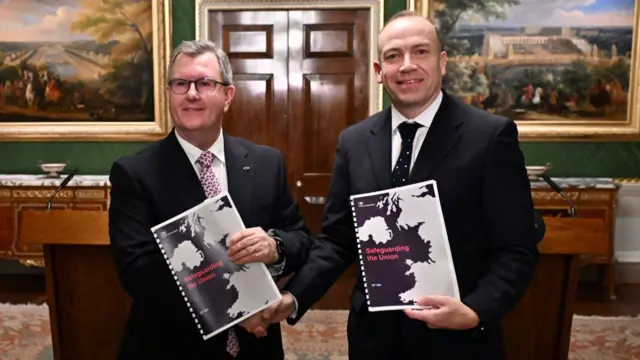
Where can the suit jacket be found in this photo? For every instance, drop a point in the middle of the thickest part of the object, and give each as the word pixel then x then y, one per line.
pixel 488 210
pixel 159 183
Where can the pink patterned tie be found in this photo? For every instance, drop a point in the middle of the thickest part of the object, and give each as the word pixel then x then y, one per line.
pixel 209 181
pixel 212 187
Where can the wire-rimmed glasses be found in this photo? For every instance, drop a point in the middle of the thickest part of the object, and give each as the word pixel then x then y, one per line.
pixel 203 86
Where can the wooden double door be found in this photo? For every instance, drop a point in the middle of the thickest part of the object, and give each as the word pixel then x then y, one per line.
pixel 301 77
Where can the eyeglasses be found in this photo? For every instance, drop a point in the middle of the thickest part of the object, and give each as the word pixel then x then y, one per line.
pixel 203 86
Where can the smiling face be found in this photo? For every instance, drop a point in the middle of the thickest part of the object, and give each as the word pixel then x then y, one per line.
pixel 193 113
pixel 411 64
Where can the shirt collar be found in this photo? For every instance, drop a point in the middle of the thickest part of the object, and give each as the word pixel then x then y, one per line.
pixel 193 152
pixel 425 118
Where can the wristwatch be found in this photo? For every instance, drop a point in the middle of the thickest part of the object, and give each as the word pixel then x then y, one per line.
pixel 279 245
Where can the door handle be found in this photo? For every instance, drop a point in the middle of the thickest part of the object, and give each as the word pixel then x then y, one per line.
pixel 315 200
pixel 298 184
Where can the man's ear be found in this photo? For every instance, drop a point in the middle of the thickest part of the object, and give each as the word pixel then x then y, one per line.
pixel 443 62
pixel 229 94
pixel 378 69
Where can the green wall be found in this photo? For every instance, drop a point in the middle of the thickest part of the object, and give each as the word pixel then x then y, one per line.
pixel 568 159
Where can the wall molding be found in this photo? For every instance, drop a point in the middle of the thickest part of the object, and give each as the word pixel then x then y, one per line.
pixel 629 187
pixel 627 229
pixel 631 256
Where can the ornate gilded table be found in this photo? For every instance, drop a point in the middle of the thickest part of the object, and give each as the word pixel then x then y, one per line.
pixel 19 192
pixel 593 198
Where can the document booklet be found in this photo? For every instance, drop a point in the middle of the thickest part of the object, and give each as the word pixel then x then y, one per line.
pixel 403 246
pixel 218 292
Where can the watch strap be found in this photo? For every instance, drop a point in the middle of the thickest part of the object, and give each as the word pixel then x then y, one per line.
pixel 279 245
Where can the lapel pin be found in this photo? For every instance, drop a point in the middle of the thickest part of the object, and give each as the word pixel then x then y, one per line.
pixel 245 168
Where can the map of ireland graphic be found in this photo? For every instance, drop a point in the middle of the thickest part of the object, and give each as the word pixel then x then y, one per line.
pixel 403 245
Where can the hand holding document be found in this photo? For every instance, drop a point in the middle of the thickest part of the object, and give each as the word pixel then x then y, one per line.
pixel 444 312
pixel 219 292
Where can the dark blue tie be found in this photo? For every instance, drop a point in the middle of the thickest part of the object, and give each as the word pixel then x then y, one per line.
pixel 400 174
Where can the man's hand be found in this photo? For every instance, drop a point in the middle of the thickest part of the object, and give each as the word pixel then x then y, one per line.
pixel 275 313
pixel 256 324
pixel 252 245
pixel 445 313
pixel 280 310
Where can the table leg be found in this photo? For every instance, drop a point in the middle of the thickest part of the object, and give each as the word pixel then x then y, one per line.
pixel 610 277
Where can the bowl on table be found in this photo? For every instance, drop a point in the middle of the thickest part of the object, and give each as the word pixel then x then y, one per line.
pixel 53 170
pixel 535 172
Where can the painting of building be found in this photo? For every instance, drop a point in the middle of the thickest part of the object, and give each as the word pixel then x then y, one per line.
pixel 539 60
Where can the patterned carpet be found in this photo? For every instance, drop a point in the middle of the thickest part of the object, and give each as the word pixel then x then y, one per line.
pixel 24 335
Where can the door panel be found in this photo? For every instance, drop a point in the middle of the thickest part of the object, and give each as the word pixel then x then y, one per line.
pixel 255 42
pixel 328 91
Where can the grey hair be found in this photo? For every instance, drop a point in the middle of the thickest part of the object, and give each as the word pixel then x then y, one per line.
pixel 199 47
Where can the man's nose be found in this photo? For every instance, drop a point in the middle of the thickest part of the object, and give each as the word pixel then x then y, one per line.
pixel 192 92
pixel 407 63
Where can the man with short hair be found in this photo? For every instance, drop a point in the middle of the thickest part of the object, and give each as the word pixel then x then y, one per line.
pixel 486 202
pixel 195 161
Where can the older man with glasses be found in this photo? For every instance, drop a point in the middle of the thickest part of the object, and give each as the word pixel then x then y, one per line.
pixel 195 161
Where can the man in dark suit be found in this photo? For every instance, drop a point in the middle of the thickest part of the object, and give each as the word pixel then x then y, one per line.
pixel 195 161
pixel 486 201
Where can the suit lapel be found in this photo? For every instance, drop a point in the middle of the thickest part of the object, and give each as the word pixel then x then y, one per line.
pixel 379 147
pixel 179 174
pixel 444 133
pixel 240 170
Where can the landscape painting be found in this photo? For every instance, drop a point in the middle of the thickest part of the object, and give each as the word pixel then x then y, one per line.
pixel 557 67
pixel 69 63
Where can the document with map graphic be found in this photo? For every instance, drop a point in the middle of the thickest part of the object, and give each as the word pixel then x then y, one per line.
pixel 218 292
pixel 403 245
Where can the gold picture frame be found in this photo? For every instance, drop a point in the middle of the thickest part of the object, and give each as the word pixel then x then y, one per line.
pixel 602 108
pixel 108 122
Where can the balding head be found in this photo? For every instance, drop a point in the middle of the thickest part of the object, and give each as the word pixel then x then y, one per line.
pixel 428 26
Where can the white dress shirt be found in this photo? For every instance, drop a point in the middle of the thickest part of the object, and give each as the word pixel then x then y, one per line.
pixel 425 119
pixel 220 170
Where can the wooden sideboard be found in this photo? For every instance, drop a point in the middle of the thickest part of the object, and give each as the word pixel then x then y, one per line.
pixel 20 192
pixel 593 197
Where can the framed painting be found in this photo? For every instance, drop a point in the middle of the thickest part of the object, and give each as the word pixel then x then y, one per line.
pixel 84 70
pixel 564 70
